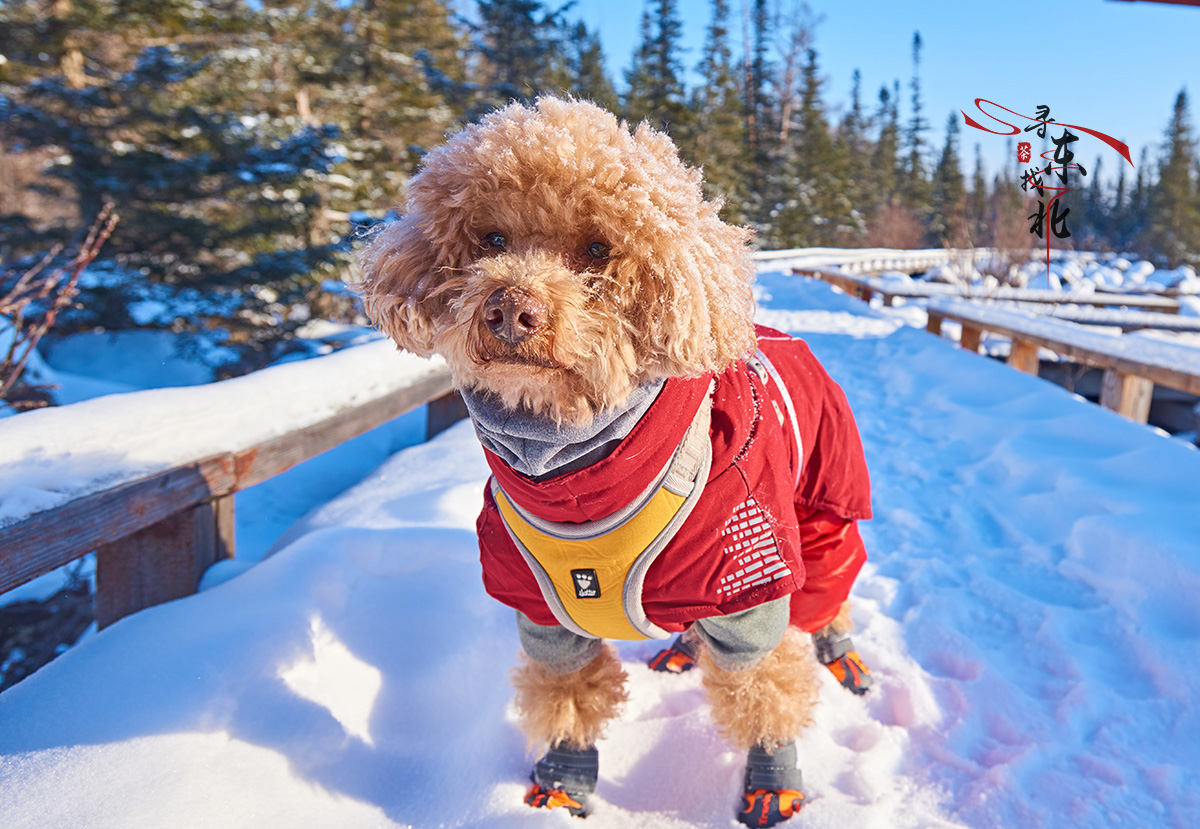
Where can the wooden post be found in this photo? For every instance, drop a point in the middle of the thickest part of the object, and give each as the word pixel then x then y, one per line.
pixel 1127 394
pixel 865 294
pixel 971 336
pixel 164 561
pixel 444 412
pixel 887 300
pixel 934 324
pixel 1024 356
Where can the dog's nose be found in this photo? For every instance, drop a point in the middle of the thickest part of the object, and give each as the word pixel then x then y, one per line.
pixel 513 315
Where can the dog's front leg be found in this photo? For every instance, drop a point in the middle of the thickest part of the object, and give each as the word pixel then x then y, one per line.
pixel 568 688
pixel 759 676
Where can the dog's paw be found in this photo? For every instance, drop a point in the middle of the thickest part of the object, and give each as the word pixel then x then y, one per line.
pixel 852 673
pixel 543 798
pixel 564 778
pixel 764 807
pixel 836 652
pixel 676 659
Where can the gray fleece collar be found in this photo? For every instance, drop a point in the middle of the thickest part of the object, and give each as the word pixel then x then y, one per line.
pixel 538 447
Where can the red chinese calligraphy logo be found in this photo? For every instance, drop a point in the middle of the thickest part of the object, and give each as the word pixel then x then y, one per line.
pixel 1050 219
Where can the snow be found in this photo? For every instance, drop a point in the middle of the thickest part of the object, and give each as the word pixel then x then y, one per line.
pixel 50 456
pixel 1029 614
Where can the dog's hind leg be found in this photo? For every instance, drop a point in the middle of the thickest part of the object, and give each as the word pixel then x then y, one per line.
pixel 835 650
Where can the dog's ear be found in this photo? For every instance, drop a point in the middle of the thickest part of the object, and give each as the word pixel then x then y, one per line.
pixel 698 296
pixel 398 272
pixel 693 304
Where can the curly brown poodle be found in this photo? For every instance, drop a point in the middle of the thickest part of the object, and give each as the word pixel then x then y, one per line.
pixel 597 315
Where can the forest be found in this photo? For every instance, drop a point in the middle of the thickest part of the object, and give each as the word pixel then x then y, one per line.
pixel 244 146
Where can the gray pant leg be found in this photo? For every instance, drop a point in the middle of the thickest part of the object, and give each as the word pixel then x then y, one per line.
pixel 741 640
pixel 557 648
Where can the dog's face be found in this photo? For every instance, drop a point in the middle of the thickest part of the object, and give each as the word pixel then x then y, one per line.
pixel 559 261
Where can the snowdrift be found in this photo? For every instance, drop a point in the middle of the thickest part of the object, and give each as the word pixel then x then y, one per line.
pixel 1029 613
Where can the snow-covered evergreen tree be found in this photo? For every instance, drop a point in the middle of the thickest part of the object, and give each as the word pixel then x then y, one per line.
pixel 1172 233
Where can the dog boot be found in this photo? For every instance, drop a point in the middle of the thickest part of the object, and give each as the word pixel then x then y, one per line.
pixel 676 659
pixel 564 777
pixel 837 653
pixel 772 788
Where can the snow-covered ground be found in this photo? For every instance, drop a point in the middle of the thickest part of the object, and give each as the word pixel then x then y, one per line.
pixel 1029 612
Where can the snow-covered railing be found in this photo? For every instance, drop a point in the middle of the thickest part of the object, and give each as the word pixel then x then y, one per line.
pixel 870 260
pixel 147 479
pixel 865 287
pixel 1126 320
pixel 1132 364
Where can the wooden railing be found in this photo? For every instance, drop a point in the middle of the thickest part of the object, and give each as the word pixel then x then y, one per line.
pixel 873 260
pixel 865 287
pixel 1131 367
pixel 154 537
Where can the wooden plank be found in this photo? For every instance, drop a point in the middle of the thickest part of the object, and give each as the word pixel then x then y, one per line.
pixel 62 534
pixel 58 536
pixel 266 460
pixel 1158 374
pixel 934 324
pixel 972 336
pixel 1024 356
pixel 443 413
pixel 1127 394
pixel 161 562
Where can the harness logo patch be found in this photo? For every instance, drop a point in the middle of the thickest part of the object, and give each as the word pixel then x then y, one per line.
pixel 586 585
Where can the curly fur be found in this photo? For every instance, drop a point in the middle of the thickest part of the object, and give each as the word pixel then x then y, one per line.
pixel 672 299
pixel 842 623
pixel 571 708
pixel 768 704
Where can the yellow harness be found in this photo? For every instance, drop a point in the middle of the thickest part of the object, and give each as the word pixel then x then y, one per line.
pixel 591 574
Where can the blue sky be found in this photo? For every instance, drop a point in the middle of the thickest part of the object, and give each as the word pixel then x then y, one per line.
pixel 1111 66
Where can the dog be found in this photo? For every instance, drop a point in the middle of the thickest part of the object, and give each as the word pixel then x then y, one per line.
pixel 660 464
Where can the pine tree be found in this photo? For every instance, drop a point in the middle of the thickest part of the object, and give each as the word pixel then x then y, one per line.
pixel 851 145
pixel 588 78
pixel 885 166
pixel 215 177
pixel 1172 233
pixel 948 194
pixel 717 143
pixel 916 189
pixel 521 49
pixel 656 91
pixel 978 200
pixel 1118 213
pixel 814 208
pixel 390 73
pixel 1091 226
pixel 757 70
pixel 1135 214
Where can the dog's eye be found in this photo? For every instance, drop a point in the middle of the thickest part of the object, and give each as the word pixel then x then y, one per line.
pixel 598 250
pixel 495 241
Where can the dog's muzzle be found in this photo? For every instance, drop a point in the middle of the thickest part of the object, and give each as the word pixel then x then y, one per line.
pixel 514 316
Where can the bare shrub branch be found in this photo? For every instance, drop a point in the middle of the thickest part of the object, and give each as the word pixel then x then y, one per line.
pixel 32 303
